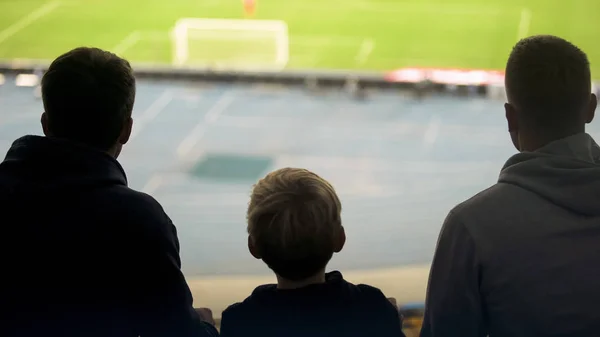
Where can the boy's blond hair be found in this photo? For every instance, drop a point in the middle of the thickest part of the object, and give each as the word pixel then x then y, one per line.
pixel 294 218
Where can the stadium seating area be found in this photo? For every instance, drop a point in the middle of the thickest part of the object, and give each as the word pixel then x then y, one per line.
pixel 400 105
pixel 201 170
pixel 188 150
pixel 204 184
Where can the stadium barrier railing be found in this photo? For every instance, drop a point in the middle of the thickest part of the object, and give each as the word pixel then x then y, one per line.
pixel 472 81
pixel 489 83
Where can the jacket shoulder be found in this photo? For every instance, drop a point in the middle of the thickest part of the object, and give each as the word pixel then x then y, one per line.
pixel 134 207
pixel 130 198
pixel 369 292
pixel 490 199
pixel 247 306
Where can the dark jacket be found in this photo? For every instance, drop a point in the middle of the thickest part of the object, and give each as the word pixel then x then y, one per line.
pixel 334 309
pixel 81 254
pixel 521 259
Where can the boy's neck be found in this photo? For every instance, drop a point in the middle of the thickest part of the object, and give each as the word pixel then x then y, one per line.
pixel 283 283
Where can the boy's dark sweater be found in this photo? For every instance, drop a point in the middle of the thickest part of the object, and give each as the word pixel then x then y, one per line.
pixel 334 308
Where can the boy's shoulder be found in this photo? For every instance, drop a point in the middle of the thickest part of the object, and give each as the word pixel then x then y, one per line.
pixel 249 301
pixel 335 292
pixel 357 292
pixel 336 307
pixel 368 291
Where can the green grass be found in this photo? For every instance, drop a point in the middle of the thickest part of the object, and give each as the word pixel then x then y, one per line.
pixel 323 33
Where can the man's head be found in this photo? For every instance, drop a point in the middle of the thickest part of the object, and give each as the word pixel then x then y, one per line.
pixel 294 223
pixel 548 85
pixel 88 97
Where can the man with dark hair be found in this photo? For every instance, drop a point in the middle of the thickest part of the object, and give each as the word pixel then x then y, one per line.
pixel 521 258
pixel 82 254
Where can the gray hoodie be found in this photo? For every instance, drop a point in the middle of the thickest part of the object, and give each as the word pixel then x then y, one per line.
pixel 522 258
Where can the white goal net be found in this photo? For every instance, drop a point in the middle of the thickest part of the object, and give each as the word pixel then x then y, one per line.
pixel 229 44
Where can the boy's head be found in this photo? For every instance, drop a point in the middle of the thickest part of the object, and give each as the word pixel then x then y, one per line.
pixel 294 223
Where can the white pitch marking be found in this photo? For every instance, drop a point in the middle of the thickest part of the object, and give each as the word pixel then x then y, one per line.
pixel 153 110
pixel 128 42
pixel 432 131
pixel 524 23
pixel 28 19
pixel 366 48
pixel 153 184
pixel 198 132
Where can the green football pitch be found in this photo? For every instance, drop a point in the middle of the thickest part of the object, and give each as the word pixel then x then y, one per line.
pixel 324 34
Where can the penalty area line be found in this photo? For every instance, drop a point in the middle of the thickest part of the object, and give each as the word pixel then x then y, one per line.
pixel 215 111
pixel 128 42
pixel 524 23
pixel 431 133
pixel 151 112
pixel 28 19
pixel 153 184
pixel 366 48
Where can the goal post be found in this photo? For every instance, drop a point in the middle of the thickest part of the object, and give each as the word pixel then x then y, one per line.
pixel 231 44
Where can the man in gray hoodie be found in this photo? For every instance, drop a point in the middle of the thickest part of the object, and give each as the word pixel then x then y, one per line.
pixel 522 258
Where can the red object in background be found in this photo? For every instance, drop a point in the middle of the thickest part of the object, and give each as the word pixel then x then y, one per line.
pixel 447 76
pixel 249 7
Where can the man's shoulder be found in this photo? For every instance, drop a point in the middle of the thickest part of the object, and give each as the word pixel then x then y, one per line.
pixel 125 197
pixel 488 200
pixel 128 196
pixel 126 206
pixel 489 215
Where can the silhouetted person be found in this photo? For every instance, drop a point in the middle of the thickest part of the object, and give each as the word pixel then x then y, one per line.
pixel 295 227
pixel 521 258
pixel 81 253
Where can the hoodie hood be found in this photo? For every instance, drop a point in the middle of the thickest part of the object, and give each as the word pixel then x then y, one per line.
pixel 48 163
pixel 565 172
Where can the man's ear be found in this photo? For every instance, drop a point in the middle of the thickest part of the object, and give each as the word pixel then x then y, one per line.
pixel 44 121
pixel 591 111
pixel 511 117
pixel 253 249
pixel 340 240
pixel 513 124
pixel 126 131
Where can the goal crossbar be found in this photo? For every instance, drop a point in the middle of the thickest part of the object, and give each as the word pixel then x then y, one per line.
pixel 232 24
pixel 278 30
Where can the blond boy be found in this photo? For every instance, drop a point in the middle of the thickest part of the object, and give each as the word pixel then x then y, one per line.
pixel 295 227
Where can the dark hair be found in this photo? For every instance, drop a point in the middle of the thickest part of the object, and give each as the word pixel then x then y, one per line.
pixel 88 93
pixel 548 79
